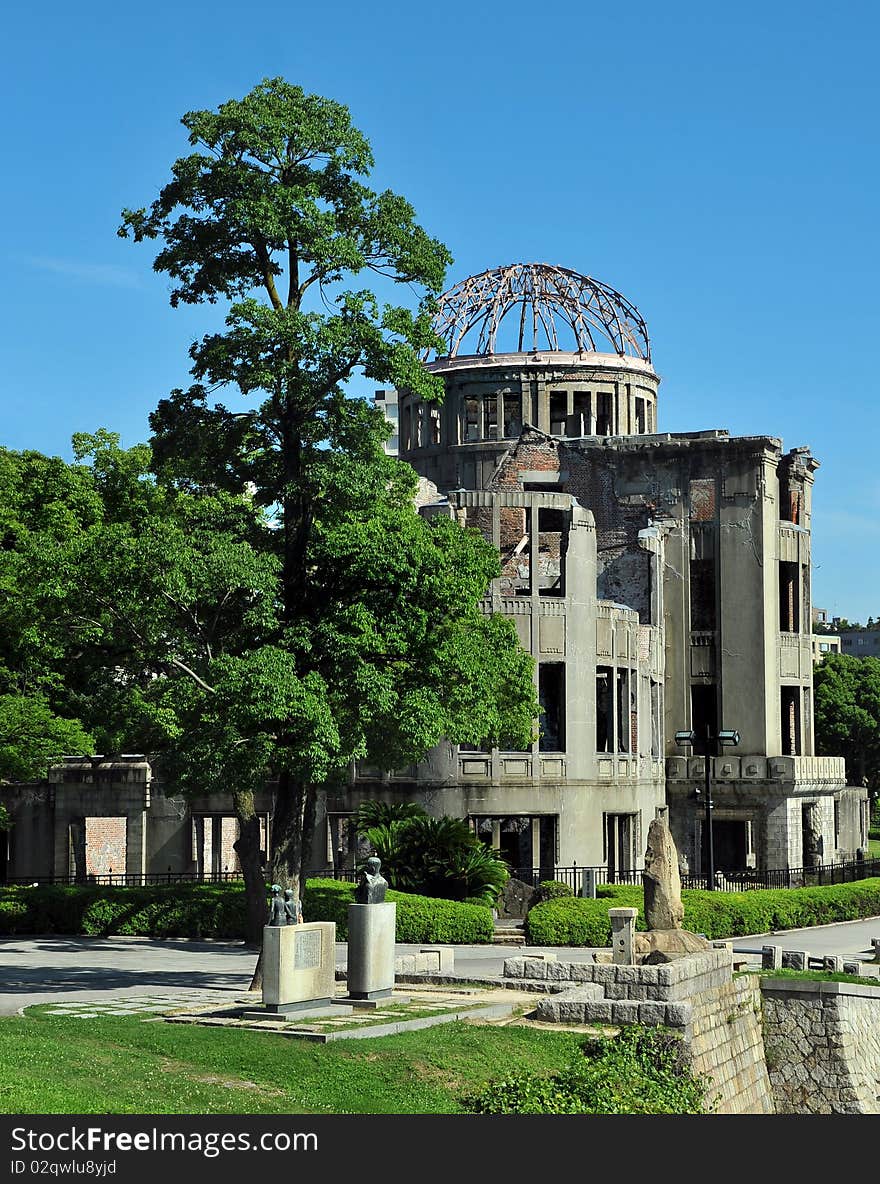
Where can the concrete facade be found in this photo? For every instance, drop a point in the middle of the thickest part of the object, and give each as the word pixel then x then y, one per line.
pixel 662 583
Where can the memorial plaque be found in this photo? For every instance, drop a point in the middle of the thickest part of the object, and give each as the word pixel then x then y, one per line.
pixel 307 953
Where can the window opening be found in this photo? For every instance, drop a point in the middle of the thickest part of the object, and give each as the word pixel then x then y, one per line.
pixel 558 411
pixel 604 710
pixel 551 696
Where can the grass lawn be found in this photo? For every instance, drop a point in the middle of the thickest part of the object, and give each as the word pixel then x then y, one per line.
pixel 125 1065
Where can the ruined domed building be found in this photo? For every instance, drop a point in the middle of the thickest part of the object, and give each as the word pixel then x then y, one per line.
pixel 661 582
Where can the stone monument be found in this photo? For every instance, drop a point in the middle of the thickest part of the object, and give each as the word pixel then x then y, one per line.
pixel 299 959
pixel 371 929
pixel 665 939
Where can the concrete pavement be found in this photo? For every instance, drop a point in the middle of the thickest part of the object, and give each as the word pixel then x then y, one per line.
pixel 51 968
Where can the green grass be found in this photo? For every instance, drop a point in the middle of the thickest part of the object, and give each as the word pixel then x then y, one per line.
pixel 124 1065
pixel 874 848
pixel 821 976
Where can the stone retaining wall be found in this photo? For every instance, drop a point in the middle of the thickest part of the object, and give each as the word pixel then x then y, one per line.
pixel 822 1043
pixel 718 1017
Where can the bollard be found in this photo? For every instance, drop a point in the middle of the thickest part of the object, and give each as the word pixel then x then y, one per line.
pixel 771 957
pixel 623 927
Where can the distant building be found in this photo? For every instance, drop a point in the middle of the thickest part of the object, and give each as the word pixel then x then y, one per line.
pixel 860 643
pixel 387 401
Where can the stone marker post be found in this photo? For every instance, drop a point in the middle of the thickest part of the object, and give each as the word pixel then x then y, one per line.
pixel 371 931
pixel 588 883
pixel 623 927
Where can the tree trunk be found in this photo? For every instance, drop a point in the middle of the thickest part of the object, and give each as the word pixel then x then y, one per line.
pixel 247 847
pixel 289 848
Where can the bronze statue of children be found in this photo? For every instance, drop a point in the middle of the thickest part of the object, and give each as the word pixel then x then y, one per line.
pixel 277 911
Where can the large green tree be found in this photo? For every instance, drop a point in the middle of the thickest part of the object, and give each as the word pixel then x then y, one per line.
pixel 379 647
pixel 43 502
pixel 846 693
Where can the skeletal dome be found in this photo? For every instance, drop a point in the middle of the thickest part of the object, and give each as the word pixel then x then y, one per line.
pixel 539 302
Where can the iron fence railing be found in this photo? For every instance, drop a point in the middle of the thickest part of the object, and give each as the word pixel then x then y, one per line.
pixel 573 875
pixel 129 879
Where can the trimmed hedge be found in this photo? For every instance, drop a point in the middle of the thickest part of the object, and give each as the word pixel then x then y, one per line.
pixel 577 921
pixel 218 911
pixel 419 918
pixel 182 910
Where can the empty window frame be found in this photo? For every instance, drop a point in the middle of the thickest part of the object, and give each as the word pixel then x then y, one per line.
pixel 581 409
pixel 558 412
pixel 512 411
pixel 551 696
pixel 704 716
pixel 604 709
pixel 640 416
pixel 624 727
pixel 789 597
pixel 471 421
pixel 790 706
pixel 604 413
pixel 490 411
pixel 435 425
pixel 551 527
pixel 703 589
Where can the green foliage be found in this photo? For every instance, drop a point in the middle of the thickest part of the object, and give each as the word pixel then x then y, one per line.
pixel 639 1071
pixel 580 922
pixel 846 700
pixel 378 648
pixel 435 856
pixel 419 918
pixel 373 813
pixel 218 911
pixel 552 890
pixel 820 976
pixel 183 910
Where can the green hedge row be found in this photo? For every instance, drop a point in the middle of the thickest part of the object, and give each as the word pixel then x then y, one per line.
pixel 578 922
pixel 419 918
pixel 218 911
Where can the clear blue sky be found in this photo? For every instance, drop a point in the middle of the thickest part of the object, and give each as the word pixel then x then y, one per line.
pixel 720 168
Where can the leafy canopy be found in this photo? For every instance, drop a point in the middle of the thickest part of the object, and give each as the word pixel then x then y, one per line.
pixel 846 694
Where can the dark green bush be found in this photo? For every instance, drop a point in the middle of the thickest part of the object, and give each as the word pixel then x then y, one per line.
pixel 577 921
pixel 419 918
pixel 640 1071
pixel 552 890
pixel 181 910
pixel 218 911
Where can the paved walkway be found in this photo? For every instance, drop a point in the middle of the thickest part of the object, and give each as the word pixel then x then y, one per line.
pixel 83 969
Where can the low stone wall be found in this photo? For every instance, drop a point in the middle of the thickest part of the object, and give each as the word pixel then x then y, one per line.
pixel 717 1016
pixel 822 1042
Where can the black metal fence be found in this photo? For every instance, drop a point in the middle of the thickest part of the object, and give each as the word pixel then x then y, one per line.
pixel 572 875
pixel 129 879
pixel 730 881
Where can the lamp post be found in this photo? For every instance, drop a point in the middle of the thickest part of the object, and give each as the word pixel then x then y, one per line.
pixel 688 740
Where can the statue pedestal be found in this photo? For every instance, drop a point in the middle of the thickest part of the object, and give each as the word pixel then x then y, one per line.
pixel 299 966
pixel 371 930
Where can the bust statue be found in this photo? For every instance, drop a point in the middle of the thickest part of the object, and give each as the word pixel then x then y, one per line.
pixel 371 883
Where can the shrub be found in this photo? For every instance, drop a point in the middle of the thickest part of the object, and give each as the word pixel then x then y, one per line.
pixel 640 1071
pixel 552 890
pixel 432 856
pixel 218 911
pixel 183 910
pixel 419 918
pixel 577 921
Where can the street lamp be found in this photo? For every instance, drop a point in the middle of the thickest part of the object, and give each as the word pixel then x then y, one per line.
pixel 688 740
